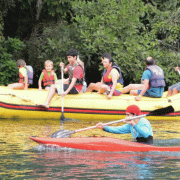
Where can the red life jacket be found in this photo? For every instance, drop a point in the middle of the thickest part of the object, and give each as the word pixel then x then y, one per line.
pixel 21 78
pixel 46 79
pixel 105 76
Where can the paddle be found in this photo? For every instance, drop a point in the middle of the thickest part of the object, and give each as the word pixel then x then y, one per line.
pixel 157 112
pixel 62 118
pixel 14 95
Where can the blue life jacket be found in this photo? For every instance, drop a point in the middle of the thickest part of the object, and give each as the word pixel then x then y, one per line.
pixel 157 78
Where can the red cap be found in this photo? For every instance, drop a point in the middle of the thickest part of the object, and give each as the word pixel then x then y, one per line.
pixel 133 109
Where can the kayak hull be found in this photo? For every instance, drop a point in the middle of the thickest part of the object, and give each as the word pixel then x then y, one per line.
pixel 22 104
pixel 101 144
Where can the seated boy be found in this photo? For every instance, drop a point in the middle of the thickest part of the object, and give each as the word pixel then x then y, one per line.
pixel 25 76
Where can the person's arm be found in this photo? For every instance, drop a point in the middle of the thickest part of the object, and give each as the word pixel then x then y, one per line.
pixel 146 78
pixel 177 69
pixel 62 65
pixel 124 129
pixel 114 75
pixel 40 81
pixel 144 89
pixel 70 87
pixel 100 85
pixel 26 82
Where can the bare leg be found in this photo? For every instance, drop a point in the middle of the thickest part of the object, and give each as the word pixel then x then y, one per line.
pixel 132 87
pixel 103 89
pixel 169 93
pixel 94 87
pixel 47 88
pixel 175 91
pixel 51 93
pixel 16 86
pixel 134 92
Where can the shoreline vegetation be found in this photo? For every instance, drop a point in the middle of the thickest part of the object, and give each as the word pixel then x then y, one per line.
pixel 129 30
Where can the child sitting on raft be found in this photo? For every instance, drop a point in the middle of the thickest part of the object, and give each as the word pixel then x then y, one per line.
pixel 48 76
pixel 25 76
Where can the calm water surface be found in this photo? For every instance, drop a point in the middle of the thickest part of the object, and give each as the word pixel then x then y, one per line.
pixel 21 158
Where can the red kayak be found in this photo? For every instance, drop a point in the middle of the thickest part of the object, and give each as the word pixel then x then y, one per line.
pixel 102 144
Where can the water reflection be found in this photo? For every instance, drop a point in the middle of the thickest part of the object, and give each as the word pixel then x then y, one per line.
pixel 75 164
pixel 21 158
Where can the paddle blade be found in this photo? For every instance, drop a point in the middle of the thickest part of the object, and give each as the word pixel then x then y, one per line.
pixel 62 118
pixel 62 134
pixel 162 111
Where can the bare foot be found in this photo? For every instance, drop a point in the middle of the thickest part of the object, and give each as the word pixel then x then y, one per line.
pixel 43 105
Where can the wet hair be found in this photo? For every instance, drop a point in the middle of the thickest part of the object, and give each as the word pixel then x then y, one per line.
pixel 72 52
pixel 149 61
pixel 108 56
pixel 20 62
pixel 48 62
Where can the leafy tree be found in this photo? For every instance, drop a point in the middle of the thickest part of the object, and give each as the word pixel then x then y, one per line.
pixel 8 70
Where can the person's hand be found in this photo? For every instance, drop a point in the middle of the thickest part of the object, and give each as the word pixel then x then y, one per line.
pixel 176 68
pixel 131 122
pixel 64 93
pixel 40 89
pixel 61 64
pixel 109 96
pixel 138 98
pixel 100 125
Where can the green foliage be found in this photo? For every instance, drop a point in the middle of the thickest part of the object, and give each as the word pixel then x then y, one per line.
pixel 8 70
pixel 112 26
pixel 129 30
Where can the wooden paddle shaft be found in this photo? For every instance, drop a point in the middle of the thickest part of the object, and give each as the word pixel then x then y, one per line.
pixel 109 123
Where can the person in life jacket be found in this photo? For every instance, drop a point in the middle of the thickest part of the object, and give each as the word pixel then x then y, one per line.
pixel 153 82
pixel 25 76
pixel 175 88
pixel 48 76
pixel 112 80
pixel 140 128
pixel 75 80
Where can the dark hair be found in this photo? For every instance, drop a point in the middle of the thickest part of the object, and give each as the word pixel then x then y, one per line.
pixel 108 56
pixel 72 52
pixel 20 62
pixel 149 61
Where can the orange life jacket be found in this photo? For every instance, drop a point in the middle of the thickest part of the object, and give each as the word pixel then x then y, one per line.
pixel 46 79
pixel 21 78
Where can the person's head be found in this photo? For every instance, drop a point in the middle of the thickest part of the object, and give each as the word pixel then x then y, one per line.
pixel 133 110
pixel 107 60
pixel 72 55
pixel 20 63
pixel 150 61
pixel 48 65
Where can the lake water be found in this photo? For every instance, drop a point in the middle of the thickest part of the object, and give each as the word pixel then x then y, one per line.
pixel 21 158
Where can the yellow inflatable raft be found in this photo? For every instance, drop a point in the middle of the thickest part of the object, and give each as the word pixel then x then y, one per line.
pixel 21 104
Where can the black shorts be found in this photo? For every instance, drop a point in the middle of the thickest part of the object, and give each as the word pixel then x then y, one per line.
pixel 148 140
pixel 66 86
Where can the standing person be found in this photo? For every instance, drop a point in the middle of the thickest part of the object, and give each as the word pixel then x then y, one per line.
pixel 75 81
pixel 48 76
pixel 140 128
pixel 153 82
pixel 175 88
pixel 112 80
pixel 25 76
